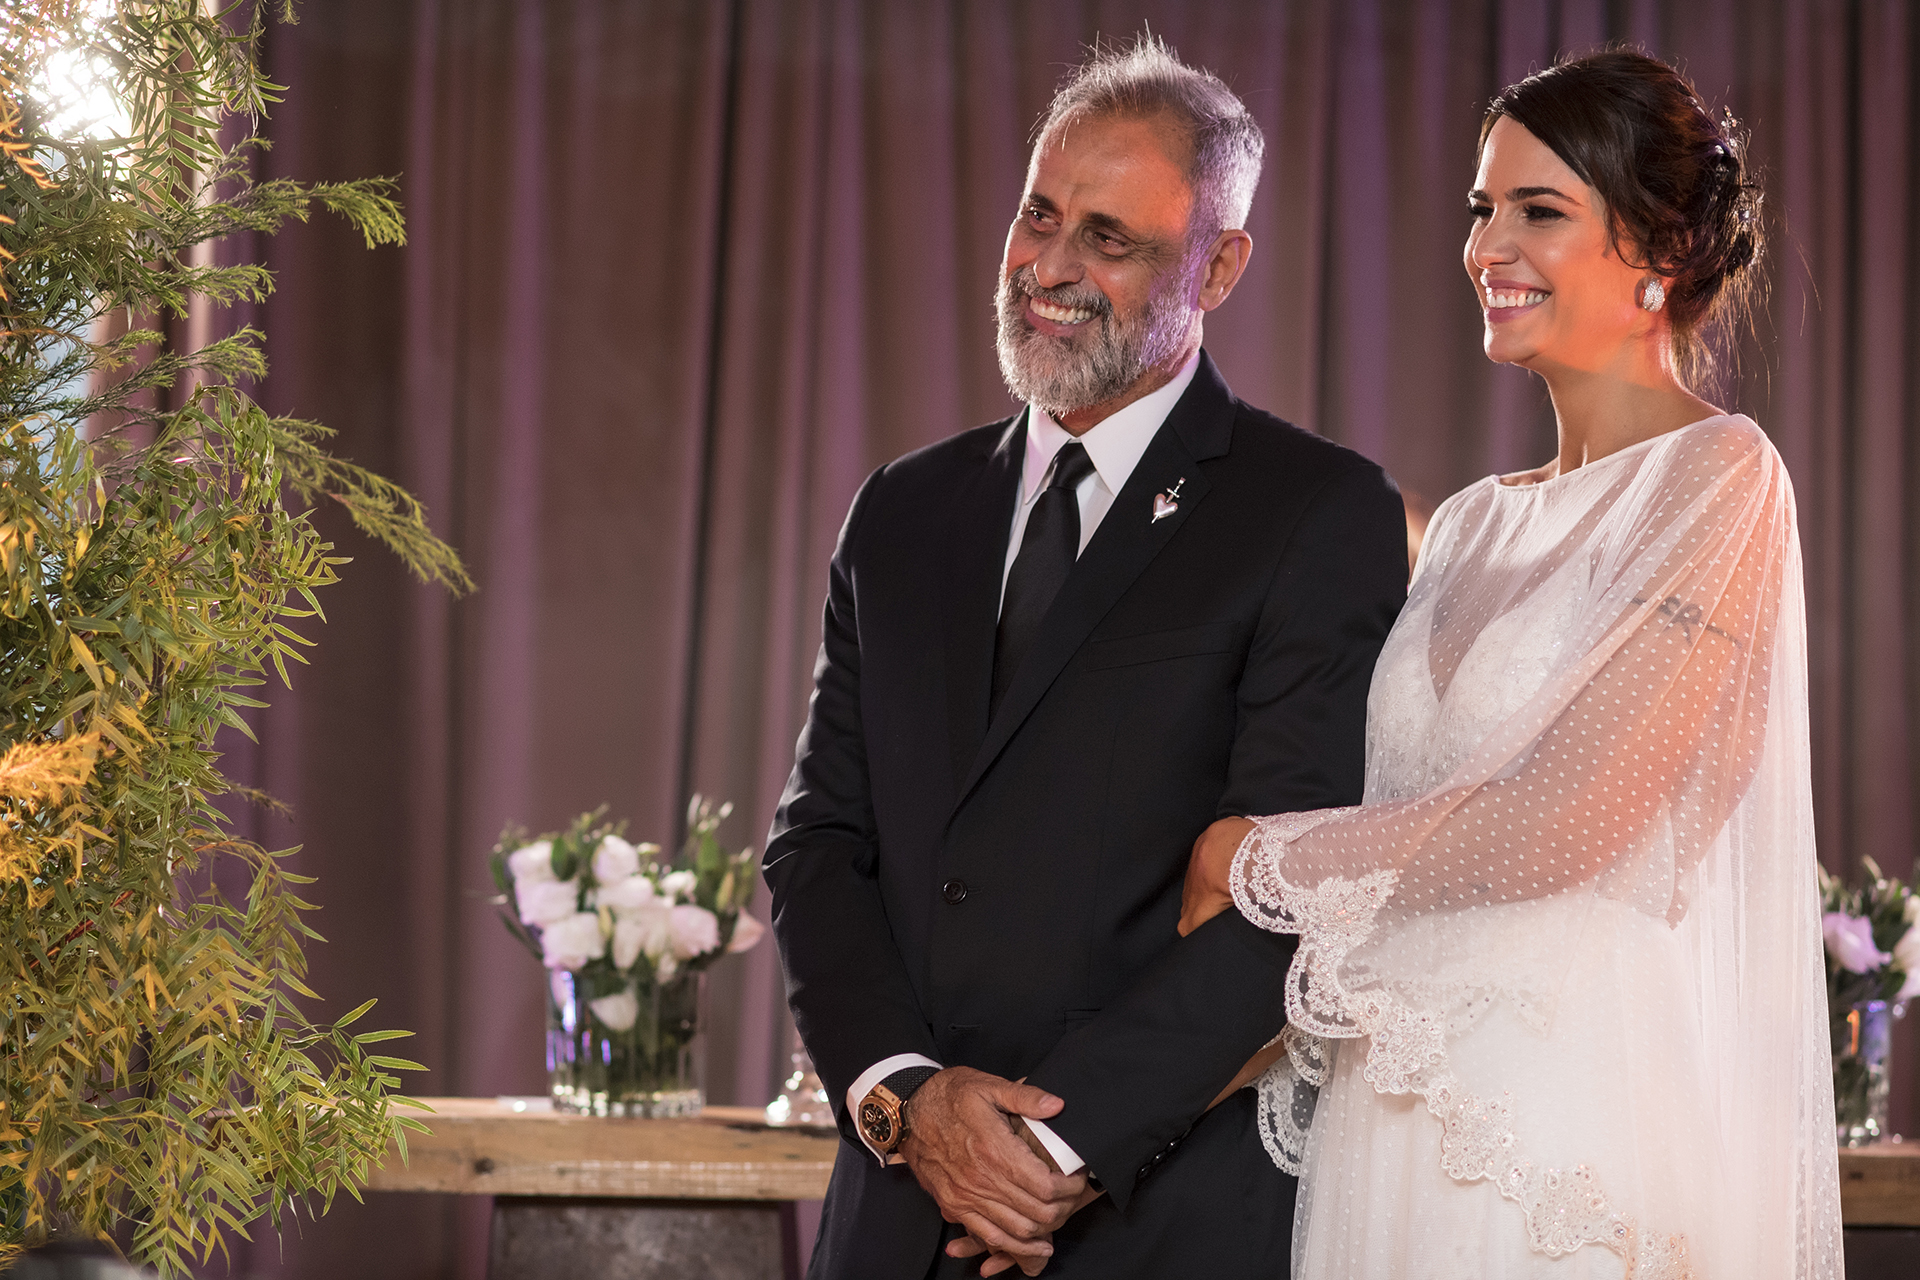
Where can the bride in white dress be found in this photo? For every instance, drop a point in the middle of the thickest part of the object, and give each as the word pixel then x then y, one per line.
pixel 1559 979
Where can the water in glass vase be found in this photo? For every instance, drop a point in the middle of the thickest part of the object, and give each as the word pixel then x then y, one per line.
pixel 1862 1042
pixel 632 1049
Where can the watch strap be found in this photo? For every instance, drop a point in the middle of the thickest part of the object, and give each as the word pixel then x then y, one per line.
pixel 905 1082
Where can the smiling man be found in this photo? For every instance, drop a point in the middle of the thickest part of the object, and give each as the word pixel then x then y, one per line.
pixel 1056 648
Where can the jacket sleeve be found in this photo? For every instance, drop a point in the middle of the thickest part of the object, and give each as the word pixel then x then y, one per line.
pixel 1137 1077
pixel 846 981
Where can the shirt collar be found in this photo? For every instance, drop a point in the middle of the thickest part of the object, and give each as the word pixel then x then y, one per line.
pixel 1114 444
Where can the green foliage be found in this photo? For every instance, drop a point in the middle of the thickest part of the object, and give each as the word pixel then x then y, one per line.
pixel 158 1081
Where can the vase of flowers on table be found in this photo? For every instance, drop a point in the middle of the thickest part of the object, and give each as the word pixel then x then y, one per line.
pixel 1873 969
pixel 626 937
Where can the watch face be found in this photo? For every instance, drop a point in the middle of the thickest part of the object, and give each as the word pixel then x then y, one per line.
pixel 876 1123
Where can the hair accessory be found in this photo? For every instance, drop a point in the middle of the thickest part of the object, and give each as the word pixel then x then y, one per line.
pixel 1654 296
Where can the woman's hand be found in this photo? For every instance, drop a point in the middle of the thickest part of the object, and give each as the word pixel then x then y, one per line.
pixel 1207 893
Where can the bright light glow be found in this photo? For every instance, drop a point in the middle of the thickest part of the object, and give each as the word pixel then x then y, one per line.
pixel 74 88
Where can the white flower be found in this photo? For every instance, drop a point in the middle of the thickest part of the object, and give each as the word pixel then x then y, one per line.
pixel 630 894
pixel 696 931
pixel 678 885
pixel 1850 939
pixel 532 863
pixel 1913 908
pixel 542 902
pixel 746 931
pixel 618 1010
pixel 1906 954
pixel 571 942
pixel 642 930
pixel 614 860
pixel 665 967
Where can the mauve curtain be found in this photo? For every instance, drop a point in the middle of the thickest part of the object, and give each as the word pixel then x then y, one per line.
pixel 680 274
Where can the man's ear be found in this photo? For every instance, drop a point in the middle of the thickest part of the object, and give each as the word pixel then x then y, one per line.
pixel 1225 265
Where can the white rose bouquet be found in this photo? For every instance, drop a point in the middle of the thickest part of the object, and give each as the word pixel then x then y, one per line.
pixel 1873 969
pixel 625 935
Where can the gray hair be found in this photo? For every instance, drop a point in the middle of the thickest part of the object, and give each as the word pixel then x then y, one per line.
pixel 1146 79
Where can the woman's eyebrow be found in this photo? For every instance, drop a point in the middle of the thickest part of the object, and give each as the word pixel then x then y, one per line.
pixel 1522 193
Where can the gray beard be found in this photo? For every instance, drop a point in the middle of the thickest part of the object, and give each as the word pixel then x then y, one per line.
pixel 1063 374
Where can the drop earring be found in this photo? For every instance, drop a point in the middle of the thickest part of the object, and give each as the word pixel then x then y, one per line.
pixel 1654 296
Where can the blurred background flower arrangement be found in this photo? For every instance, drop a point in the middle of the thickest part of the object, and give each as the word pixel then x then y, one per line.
pixel 1873 969
pixel 626 937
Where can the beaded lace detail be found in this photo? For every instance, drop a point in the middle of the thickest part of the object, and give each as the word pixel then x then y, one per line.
pixel 1287 1092
pixel 1406 1053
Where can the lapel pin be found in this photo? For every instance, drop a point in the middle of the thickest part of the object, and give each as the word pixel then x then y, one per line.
pixel 1165 504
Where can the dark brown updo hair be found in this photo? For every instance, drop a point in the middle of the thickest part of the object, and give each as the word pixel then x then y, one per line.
pixel 1681 201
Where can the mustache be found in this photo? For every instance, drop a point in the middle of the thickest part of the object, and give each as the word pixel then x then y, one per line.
pixel 1024 283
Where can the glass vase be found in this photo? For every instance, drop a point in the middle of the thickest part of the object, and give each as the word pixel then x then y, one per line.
pixel 655 1067
pixel 804 1099
pixel 1862 1042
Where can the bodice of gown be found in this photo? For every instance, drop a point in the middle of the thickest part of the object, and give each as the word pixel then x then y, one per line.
pixel 1496 610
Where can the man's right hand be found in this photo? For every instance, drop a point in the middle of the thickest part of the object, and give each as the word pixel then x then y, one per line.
pixel 962 1147
pixel 1208 889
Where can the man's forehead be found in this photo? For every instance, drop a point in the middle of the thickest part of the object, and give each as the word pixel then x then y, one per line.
pixel 1131 131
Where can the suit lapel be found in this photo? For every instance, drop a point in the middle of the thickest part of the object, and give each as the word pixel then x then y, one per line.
pixel 976 562
pixel 1199 428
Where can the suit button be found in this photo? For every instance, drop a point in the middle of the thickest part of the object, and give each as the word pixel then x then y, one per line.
pixel 954 891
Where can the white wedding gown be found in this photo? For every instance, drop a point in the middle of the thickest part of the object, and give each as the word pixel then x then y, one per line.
pixel 1560 979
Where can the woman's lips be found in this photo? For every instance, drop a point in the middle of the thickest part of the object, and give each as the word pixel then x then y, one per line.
pixel 1504 300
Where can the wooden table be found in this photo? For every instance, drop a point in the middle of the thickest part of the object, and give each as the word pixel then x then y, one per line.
pixel 1880 1185
pixel 713 1196
pixel 579 1195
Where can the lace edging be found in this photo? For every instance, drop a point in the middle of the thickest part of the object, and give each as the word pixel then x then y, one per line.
pixel 1288 1092
pixel 1406 1053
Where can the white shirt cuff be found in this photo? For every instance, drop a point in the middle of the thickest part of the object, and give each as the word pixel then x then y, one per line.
pixel 872 1076
pixel 1063 1155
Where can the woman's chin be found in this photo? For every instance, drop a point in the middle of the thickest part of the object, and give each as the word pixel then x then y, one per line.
pixel 1501 348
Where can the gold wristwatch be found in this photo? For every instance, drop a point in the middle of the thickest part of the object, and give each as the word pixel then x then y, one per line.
pixel 883 1115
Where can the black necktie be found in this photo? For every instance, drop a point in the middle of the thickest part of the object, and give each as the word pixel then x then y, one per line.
pixel 1048 549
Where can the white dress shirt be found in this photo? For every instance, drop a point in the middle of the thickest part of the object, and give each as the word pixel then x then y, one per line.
pixel 1114 445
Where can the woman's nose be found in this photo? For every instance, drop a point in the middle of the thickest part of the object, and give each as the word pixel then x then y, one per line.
pixel 1488 245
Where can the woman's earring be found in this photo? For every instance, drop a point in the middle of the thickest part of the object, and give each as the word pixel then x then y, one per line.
pixel 1654 296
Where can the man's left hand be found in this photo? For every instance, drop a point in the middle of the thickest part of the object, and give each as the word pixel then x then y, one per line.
pixel 968 1247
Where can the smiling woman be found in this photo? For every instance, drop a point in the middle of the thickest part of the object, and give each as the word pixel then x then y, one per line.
pixel 1574 916
pixel 1651 181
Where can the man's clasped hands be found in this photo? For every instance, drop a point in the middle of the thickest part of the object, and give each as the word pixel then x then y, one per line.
pixel 965 1144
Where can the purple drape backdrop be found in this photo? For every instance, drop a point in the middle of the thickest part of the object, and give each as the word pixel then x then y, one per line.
pixel 680 274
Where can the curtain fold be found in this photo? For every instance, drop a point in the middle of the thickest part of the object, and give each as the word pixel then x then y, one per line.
pixel 679 274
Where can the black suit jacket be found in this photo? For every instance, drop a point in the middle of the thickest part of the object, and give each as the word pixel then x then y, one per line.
pixel 1003 894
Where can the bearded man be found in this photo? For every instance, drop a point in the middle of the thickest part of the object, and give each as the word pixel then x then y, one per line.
pixel 1056 648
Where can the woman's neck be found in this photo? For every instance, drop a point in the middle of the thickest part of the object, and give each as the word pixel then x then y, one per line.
pixel 1602 411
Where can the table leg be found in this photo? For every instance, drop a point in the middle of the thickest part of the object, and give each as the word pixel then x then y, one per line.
pixel 1882 1253
pixel 567 1237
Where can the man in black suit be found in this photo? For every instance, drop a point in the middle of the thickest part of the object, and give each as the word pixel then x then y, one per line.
pixel 1056 648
